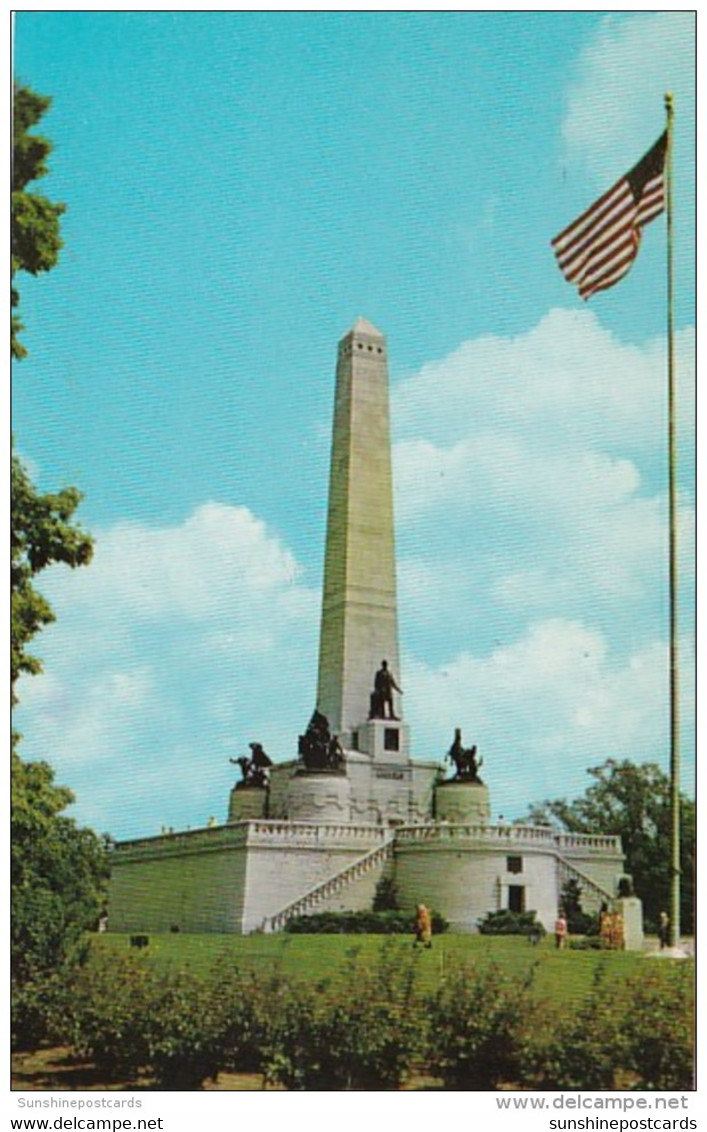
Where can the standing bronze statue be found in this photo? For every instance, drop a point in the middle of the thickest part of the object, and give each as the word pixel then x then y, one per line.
pixel 382 694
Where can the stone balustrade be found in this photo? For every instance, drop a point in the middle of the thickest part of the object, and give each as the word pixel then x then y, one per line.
pixel 516 835
pixel 601 843
pixel 278 834
pixel 262 833
pixel 488 834
pixel 313 833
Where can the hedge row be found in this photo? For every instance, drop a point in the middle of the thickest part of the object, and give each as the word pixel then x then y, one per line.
pixel 361 923
pixel 375 1027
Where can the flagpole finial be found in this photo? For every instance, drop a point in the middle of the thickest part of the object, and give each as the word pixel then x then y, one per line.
pixel 669 101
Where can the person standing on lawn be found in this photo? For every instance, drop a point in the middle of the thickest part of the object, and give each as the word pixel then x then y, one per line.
pixel 560 930
pixel 423 926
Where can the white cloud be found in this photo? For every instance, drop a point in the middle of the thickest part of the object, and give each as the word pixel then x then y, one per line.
pixel 568 379
pixel 615 104
pixel 531 480
pixel 176 647
pixel 545 708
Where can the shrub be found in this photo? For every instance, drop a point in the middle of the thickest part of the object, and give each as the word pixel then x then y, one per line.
pixel 184 1031
pixel 132 1020
pixel 113 1001
pixel 648 1035
pixel 505 922
pixel 386 896
pixel 586 1050
pixel 41 1010
pixel 477 1029
pixel 253 1012
pixel 361 923
pixel 364 1038
pixel 659 1027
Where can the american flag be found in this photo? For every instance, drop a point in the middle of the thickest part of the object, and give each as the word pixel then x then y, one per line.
pixel 597 249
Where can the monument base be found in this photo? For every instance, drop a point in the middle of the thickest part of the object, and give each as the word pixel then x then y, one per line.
pixel 631 909
pixel 465 803
pixel 385 740
pixel 319 796
pixel 247 803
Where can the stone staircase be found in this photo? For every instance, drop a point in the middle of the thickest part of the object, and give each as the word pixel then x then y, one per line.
pixel 313 899
pixel 593 894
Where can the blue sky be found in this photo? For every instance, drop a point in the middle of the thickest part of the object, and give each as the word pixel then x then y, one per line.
pixel 240 188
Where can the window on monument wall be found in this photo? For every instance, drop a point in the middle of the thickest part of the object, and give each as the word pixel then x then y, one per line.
pixel 514 864
pixel 354 740
pixel 516 898
pixel 391 739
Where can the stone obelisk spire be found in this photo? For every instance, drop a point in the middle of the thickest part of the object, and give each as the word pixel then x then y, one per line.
pixel 359 613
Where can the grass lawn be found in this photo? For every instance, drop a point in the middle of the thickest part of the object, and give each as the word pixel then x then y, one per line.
pixel 560 976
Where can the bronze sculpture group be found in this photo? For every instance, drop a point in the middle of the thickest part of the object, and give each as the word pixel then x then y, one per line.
pixel 318 748
pixel 256 769
pixel 464 760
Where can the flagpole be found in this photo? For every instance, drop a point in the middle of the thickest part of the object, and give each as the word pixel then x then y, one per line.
pixel 673 567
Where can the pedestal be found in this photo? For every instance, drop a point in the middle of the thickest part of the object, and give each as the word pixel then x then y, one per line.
pixel 631 909
pixel 319 796
pixel 464 803
pixel 247 803
pixel 385 740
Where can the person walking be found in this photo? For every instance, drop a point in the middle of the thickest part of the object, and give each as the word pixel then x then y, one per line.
pixel 560 931
pixel 423 926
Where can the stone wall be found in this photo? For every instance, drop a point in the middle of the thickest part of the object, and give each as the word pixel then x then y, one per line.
pixel 286 860
pixel 162 887
pixel 232 878
pixel 464 877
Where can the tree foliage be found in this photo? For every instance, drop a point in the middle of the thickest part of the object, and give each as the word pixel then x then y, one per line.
pixel 42 534
pixel 634 802
pixel 35 219
pixel 58 869
pixel 58 878
pixel 56 875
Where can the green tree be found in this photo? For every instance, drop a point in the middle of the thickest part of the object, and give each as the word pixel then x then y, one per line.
pixel 579 922
pixel 58 869
pixel 35 219
pixel 634 802
pixel 42 534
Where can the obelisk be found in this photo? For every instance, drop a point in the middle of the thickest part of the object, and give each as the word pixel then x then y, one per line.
pixel 359 625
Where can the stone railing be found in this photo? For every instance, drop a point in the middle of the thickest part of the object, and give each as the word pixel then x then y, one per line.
pixel 207 839
pixel 492 835
pixel 283 833
pixel 296 834
pixel 254 832
pixel 593 894
pixel 309 901
pixel 503 835
pixel 601 843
